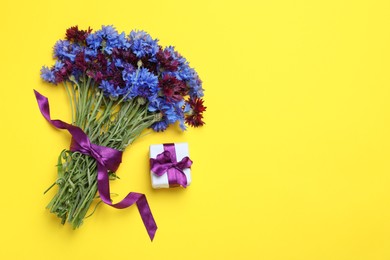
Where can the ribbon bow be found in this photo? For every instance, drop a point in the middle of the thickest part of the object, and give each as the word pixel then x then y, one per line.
pixel 107 159
pixel 166 162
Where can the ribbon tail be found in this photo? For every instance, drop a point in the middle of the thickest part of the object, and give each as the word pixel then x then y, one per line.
pixel 176 177
pixel 130 199
pixel 146 215
pixel 77 133
pixel 43 104
pixel 103 184
pixel 181 178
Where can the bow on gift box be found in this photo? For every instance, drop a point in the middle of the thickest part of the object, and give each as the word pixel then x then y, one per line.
pixel 166 162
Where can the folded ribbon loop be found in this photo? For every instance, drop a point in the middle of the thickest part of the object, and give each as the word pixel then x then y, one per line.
pixel 108 159
pixel 106 156
pixel 166 162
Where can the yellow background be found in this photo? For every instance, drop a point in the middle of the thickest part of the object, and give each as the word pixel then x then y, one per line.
pixel 293 162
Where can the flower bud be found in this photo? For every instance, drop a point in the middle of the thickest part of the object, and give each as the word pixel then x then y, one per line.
pixel 141 101
pixel 158 117
pixel 72 78
pixel 113 98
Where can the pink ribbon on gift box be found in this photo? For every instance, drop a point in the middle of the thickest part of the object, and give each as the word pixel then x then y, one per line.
pixel 166 163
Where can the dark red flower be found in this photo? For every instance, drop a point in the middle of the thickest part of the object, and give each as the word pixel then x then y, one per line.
pixel 76 35
pixel 172 88
pixel 96 75
pixel 166 60
pixel 80 62
pixel 101 61
pixel 129 57
pixel 114 74
pixel 63 73
pixel 97 68
pixel 195 116
pixel 125 55
pixel 150 65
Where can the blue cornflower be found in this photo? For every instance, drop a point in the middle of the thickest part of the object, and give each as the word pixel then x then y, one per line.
pixel 122 42
pixel 159 106
pixel 58 65
pixel 116 41
pixel 110 90
pixel 90 54
pixel 142 83
pixel 175 55
pixel 119 63
pixel 187 108
pixel 142 44
pixel 159 126
pixel 178 108
pixel 184 73
pixel 171 112
pixel 195 86
pixel 47 75
pixel 94 40
pixel 65 49
pixel 191 78
pixel 108 38
pixel 108 32
pixel 127 71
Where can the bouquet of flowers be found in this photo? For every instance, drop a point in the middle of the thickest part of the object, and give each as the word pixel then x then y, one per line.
pixel 118 85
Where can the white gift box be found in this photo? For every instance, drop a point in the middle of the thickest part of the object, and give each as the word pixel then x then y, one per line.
pixel 181 150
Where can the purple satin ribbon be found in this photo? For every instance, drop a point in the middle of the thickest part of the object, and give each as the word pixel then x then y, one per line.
pixel 107 159
pixel 166 162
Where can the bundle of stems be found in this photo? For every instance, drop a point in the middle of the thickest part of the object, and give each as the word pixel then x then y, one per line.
pixel 114 123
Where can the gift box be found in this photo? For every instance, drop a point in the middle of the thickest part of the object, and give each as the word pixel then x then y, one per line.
pixel 170 165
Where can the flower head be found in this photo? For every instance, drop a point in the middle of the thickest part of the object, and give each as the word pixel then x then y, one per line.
pixel 47 75
pixel 142 44
pixel 172 88
pixel 189 75
pixel 194 117
pixel 110 90
pixel 168 59
pixel 76 35
pixel 142 83
pixel 160 126
pixel 126 56
pixel 80 62
pixel 66 50
pixel 107 39
pixel 58 65
pixel 97 68
pixel 170 113
pixel 195 86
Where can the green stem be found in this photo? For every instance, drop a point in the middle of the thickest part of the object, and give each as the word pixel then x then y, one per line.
pixel 70 100
pixel 106 115
pixel 94 112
